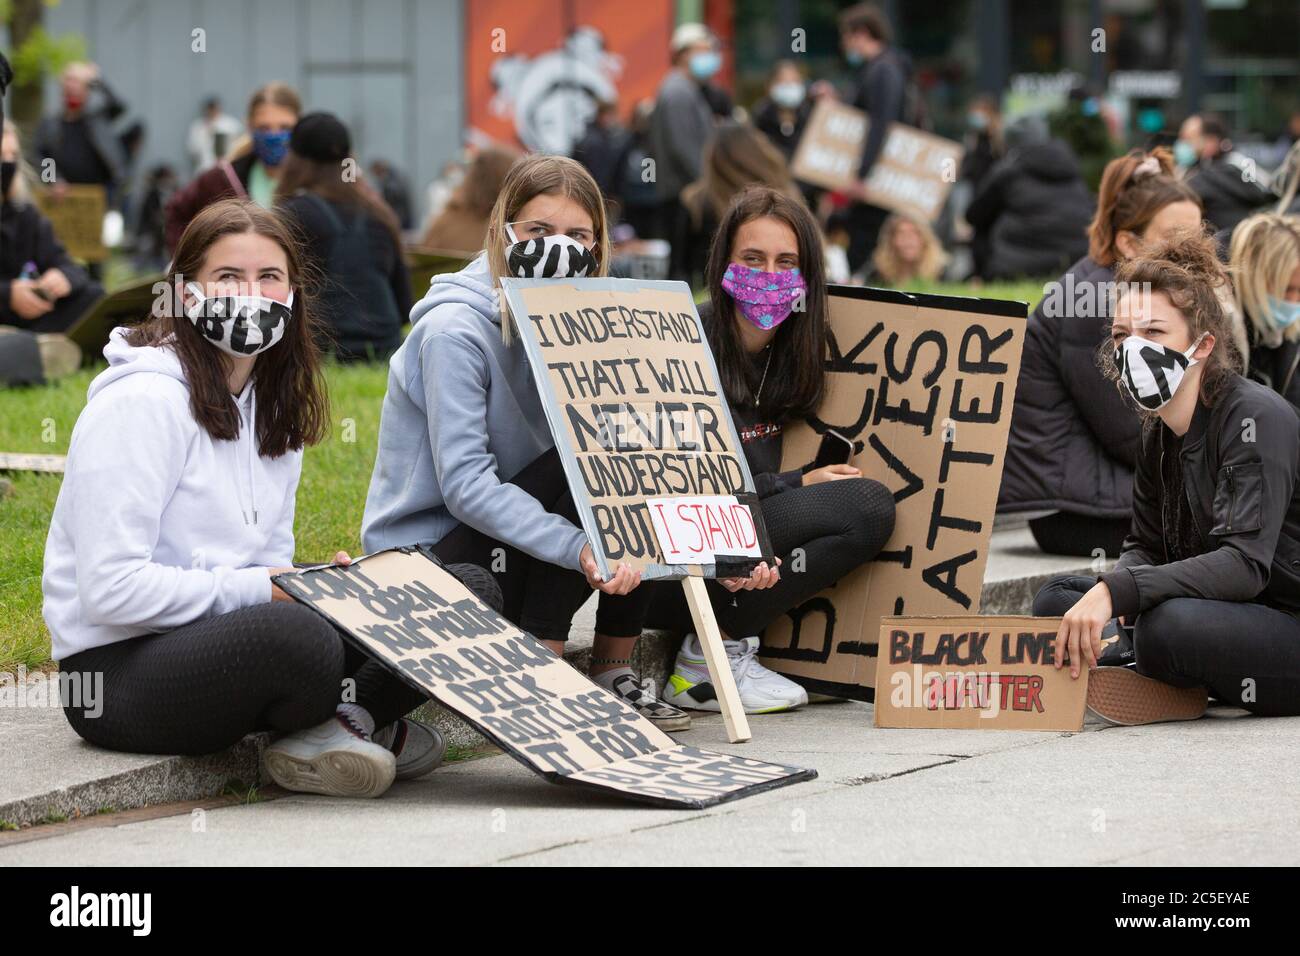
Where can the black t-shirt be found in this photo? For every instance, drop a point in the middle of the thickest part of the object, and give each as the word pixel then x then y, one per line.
pixel 77 160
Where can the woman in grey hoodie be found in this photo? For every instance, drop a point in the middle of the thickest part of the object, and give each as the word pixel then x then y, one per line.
pixel 466 460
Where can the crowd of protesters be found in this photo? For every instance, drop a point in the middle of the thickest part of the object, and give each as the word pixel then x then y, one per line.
pixel 465 463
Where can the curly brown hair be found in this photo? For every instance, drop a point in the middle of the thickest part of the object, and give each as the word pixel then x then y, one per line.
pixel 1185 268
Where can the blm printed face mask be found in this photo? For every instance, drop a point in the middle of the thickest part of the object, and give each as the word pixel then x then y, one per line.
pixel 550 257
pixel 1151 371
pixel 239 325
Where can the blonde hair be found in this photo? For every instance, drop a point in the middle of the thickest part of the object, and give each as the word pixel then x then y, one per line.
pixel 1265 251
pixel 18 192
pixel 542 175
pixel 891 268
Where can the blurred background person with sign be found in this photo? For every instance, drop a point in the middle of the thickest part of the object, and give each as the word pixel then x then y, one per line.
pixel 251 169
pixel 198 428
pixel 885 91
pixel 908 251
pixel 1032 209
pixel 767 326
pixel 466 461
pixel 1265 266
pixel 351 239
pixel 1208 580
pixel 42 291
pixel 1073 444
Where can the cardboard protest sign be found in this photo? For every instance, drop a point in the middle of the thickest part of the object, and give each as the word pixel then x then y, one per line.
pixel 637 411
pixel 924 386
pixel 77 219
pixel 125 305
pixel 913 174
pixel 18 461
pixel 404 609
pixel 975 673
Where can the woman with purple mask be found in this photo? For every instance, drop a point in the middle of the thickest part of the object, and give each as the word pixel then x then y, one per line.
pixel 767 326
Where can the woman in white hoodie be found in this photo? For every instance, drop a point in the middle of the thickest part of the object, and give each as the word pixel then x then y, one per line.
pixel 177 508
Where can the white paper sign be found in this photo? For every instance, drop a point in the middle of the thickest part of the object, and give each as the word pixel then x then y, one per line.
pixel 693 530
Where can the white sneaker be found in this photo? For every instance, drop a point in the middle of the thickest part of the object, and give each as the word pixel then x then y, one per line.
pixel 762 691
pixel 335 758
pixel 418 747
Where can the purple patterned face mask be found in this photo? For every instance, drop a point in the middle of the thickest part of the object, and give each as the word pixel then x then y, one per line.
pixel 765 298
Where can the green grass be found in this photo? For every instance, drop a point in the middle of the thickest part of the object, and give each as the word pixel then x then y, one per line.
pixel 331 496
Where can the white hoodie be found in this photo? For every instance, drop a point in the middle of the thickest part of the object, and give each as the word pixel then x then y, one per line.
pixel 158 525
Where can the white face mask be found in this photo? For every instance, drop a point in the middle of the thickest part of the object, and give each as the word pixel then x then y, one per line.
pixel 239 325
pixel 550 257
pixel 1151 371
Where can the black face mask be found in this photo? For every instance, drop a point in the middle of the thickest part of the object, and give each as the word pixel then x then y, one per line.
pixel 8 171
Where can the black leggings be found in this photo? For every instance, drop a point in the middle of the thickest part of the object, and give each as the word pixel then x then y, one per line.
pixel 202 687
pixel 1067 533
pixel 539 597
pixel 1243 653
pixel 839 525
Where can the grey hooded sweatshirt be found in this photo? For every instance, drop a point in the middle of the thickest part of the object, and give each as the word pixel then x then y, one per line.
pixel 460 419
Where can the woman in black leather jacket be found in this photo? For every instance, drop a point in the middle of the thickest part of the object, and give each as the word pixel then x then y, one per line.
pixel 1209 575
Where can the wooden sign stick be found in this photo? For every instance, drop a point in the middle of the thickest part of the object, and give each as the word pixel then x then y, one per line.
pixel 715 655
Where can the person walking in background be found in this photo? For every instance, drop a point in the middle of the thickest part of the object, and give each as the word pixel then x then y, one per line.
pixel 602 146
pixel 80 138
pixel 1073 444
pixel 253 165
pixel 1033 207
pixel 737 156
pixel 212 135
pixel 1230 186
pixel 462 224
pixel 680 127
pixel 1265 267
pixel 350 237
pixel 883 89
pixel 984 146
pixel 908 251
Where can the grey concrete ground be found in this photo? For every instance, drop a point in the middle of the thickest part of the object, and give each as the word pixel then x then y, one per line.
pixel 1219 791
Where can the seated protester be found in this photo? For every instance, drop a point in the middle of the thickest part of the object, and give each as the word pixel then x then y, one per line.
pixel 253 166
pixel 466 461
pixel 907 251
pixel 351 239
pixel 1033 206
pixel 1072 446
pixel 1265 267
pixel 767 261
pixel 1223 178
pixel 1209 578
pixel 41 289
pixel 462 224
pixel 198 427
pixel 783 113
pixel 737 156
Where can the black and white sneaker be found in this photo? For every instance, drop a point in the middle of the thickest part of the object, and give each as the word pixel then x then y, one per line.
pixel 664 716
pixel 418 747
pixel 335 758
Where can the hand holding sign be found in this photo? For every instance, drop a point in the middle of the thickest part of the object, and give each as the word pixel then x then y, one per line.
pixel 761 578
pixel 624 580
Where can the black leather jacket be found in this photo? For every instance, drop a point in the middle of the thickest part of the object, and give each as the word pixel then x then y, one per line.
pixel 1240 460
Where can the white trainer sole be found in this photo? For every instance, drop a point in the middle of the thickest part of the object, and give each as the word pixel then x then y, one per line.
pixel 332 773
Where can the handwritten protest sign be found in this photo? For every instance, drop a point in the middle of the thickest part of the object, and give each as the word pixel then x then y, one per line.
pixel 77 219
pixel 913 174
pixel 404 609
pixel 975 673
pixel 924 386
pixel 634 402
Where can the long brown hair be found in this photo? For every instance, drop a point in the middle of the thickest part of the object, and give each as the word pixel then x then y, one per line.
pixel 1134 188
pixel 737 155
pixel 1185 268
pixel 325 179
pixel 796 379
pixel 292 404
